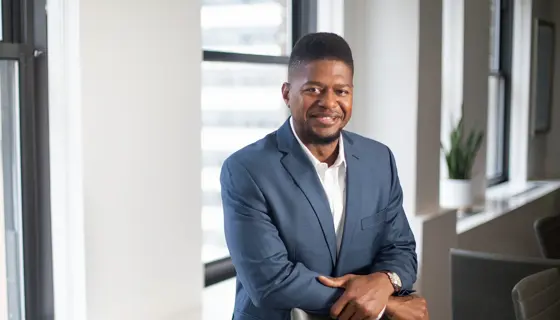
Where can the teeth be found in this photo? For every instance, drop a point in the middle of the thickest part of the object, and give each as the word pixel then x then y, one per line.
pixel 327 119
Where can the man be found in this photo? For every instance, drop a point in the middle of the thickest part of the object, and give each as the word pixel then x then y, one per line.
pixel 313 214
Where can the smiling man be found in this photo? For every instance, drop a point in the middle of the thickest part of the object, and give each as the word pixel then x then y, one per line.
pixel 313 213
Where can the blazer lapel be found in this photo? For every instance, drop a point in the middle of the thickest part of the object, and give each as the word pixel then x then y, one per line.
pixel 302 171
pixel 356 194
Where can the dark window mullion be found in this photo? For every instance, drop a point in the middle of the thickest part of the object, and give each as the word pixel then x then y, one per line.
pixel 38 281
pixel 504 72
pixel 16 20
pixel 304 18
pixel 7 20
pixel 497 35
pixel 506 38
pixel 12 51
pixel 497 180
pixel 243 57
pixel 218 271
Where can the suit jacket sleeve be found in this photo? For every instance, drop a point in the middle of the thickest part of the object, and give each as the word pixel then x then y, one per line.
pixel 259 254
pixel 398 251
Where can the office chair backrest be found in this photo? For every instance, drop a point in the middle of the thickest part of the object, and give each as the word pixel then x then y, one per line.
pixel 547 230
pixel 482 282
pixel 537 297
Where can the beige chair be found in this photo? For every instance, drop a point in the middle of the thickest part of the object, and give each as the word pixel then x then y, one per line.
pixel 537 297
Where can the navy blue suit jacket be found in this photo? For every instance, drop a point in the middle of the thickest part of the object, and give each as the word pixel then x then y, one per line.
pixel 280 230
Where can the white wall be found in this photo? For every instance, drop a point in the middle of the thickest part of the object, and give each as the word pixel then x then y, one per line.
pixel 543 155
pixel 537 154
pixel 125 157
pixel 476 69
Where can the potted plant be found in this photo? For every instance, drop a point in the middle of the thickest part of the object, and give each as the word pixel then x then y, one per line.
pixel 456 190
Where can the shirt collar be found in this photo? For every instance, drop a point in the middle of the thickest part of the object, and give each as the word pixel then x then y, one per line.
pixel 340 160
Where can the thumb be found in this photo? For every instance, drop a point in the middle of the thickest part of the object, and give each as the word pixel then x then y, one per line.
pixel 339 282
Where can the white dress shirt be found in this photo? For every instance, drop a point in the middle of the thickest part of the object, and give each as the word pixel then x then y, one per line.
pixel 333 179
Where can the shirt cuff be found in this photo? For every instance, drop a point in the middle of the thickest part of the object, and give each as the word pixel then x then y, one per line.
pixel 381 313
pixel 404 292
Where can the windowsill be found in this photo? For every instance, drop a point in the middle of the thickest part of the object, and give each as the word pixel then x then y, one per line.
pixel 504 198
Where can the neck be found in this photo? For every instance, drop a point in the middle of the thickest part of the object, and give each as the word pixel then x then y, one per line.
pixel 326 153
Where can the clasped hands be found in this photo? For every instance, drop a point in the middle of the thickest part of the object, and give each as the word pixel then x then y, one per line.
pixel 365 297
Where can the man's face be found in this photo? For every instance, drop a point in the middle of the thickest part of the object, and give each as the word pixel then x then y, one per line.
pixel 320 99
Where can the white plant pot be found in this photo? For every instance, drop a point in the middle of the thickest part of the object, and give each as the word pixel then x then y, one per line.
pixel 456 194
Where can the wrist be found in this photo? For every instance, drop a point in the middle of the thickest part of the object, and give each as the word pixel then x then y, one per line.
pixel 392 306
pixel 392 303
pixel 394 279
pixel 388 287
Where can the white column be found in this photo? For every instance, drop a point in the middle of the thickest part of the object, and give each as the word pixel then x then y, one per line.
pixel 330 16
pixel 125 158
pixel 465 77
pixel 520 91
pixel 476 70
pixel 452 72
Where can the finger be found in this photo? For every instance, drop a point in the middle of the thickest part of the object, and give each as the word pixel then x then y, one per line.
pixel 339 305
pixel 334 282
pixel 349 312
pixel 364 311
pixel 381 313
pixel 330 282
pixel 359 315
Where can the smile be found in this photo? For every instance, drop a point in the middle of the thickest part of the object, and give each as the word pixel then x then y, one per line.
pixel 326 120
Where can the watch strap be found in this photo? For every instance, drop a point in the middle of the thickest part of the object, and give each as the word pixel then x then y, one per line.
pixel 395 280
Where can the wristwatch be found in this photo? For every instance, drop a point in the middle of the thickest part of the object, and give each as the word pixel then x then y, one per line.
pixel 395 280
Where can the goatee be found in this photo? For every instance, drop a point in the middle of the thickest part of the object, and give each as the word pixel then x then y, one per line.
pixel 322 140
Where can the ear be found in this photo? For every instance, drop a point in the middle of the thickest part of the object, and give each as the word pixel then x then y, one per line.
pixel 286 93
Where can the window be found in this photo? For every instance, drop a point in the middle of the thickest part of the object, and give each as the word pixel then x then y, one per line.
pixel 10 175
pixel 501 17
pixel 246 46
pixel 26 281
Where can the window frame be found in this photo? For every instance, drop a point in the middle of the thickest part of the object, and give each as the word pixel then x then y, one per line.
pixel 304 21
pixel 504 45
pixel 24 39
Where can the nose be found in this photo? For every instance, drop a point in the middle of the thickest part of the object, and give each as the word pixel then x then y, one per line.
pixel 328 99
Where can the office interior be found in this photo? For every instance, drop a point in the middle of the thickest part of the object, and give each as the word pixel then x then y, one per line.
pixel 117 115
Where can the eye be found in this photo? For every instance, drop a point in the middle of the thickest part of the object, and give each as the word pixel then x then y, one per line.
pixel 313 90
pixel 342 92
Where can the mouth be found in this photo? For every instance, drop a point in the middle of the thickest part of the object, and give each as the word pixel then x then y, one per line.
pixel 326 120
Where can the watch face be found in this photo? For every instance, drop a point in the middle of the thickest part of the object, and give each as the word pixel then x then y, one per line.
pixel 396 280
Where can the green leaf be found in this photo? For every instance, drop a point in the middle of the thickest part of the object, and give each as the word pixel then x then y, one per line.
pixel 462 151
